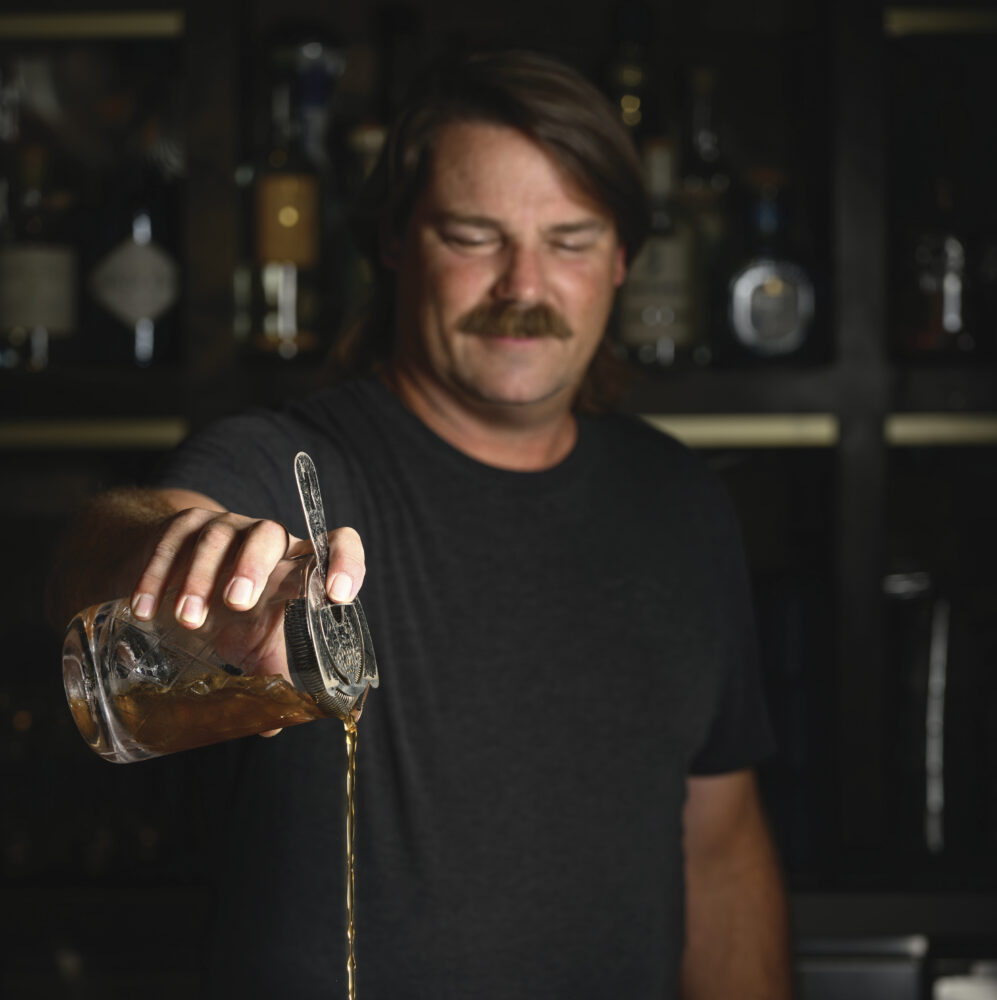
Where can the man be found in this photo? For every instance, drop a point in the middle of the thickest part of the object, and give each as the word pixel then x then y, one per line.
pixel 568 694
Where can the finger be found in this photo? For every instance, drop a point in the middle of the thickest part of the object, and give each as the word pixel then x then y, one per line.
pixel 162 565
pixel 347 566
pixel 263 545
pixel 212 549
pixel 271 732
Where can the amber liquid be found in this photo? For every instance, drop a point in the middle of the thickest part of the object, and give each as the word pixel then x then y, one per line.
pixel 203 709
pixel 351 784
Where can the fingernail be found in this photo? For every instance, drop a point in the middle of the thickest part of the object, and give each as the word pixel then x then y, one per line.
pixel 342 587
pixel 192 610
pixel 142 606
pixel 240 592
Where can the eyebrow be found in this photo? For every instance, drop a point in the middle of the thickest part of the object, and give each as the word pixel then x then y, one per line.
pixel 591 225
pixel 582 226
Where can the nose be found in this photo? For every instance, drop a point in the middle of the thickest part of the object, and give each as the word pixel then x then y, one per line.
pixel 521 278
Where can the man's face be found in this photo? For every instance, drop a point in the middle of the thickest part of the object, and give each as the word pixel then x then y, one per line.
pixel 506 274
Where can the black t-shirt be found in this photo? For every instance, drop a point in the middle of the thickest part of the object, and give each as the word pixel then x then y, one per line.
pixel 558 651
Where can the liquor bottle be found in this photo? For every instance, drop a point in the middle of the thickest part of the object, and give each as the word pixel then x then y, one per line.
pixel 706 198
pixel 930 291
pixel 655 309
pixel 628 74
pixel 135 282
pixel 295 212
pixel 38 262
pixel 771 305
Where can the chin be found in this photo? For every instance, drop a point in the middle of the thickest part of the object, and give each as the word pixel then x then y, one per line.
pixel 518 395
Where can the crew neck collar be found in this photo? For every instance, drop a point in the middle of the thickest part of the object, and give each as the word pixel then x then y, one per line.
pixel 419 435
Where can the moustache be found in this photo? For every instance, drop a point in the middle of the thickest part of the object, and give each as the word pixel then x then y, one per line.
pixel 505 319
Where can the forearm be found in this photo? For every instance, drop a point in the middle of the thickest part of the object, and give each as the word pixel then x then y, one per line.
pixel 737 940
pixel 103 551
pixel 737 927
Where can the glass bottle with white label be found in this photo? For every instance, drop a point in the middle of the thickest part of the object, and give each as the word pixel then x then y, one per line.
pixel 655 312
pixel 38 262
pixel 134 284
pixel 931 285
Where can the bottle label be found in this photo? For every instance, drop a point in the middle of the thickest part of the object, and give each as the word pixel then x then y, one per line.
pixel 772 307
pixel 136 281
pixel 287 219
pixel 38 288
pixel 656 300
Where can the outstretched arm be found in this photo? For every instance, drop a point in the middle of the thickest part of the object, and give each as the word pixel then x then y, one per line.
pixel 737 939
pixel 142 543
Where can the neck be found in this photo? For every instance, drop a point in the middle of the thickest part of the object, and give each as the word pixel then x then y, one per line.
pixel 523 439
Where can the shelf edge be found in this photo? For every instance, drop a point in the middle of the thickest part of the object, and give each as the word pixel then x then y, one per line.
pixel 911 430
pixel 77 435
pixel 901 22
pixel 93 25
pixel 754 430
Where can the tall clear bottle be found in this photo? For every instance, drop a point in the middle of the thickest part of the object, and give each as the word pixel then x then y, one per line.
pixel 38 260
pixel 931 281
pixel 294 296
pixel 628 74
pixel 656 301
pixel 135 282
pixel 706 197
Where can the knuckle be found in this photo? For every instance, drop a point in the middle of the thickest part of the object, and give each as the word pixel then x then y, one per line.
pixel 187 520
pixel 272 534
pixel 347 541
pixel 217 535
pixel 165 550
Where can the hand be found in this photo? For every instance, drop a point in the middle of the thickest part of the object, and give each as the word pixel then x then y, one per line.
pixel 210 556
pixel 207 554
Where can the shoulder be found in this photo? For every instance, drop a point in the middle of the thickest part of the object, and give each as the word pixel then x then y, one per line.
pixel 630 440
pixel 652 470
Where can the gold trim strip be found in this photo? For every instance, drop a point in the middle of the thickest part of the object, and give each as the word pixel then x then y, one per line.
pixel 899 22
pixel 759 430
pixel 80 435
pixel 93 25
pixel 907 430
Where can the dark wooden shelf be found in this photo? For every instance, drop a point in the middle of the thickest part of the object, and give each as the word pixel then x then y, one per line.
pixel 760 390
pixel 938 389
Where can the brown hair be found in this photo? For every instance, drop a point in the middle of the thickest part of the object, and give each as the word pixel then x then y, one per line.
pixel 547 101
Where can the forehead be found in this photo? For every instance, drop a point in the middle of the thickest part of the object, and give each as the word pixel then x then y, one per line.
pixel 483 168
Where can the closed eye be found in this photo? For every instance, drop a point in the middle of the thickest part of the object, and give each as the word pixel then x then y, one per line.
pixel 470 239
pixel 572 246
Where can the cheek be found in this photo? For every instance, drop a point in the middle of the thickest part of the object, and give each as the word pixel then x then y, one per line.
pixel 588 291
pixel 453 286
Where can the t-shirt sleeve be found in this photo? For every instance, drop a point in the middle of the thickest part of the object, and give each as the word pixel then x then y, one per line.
pixel 245 463
pixel 740 734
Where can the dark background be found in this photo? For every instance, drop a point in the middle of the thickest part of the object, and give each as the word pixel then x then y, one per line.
pixel 856 539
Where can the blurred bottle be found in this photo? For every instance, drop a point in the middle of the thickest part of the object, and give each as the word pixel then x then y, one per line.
pixel 930 285
pixel 771 306
pixel 38 262
pixel 655 311
pixel 628 74
pixel 135 281
pixel 706 197
pixel 295 291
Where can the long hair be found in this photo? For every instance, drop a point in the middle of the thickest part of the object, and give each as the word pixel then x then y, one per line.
pixel 547 101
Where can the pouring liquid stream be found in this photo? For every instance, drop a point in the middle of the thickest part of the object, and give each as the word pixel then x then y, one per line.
pixel 351 784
